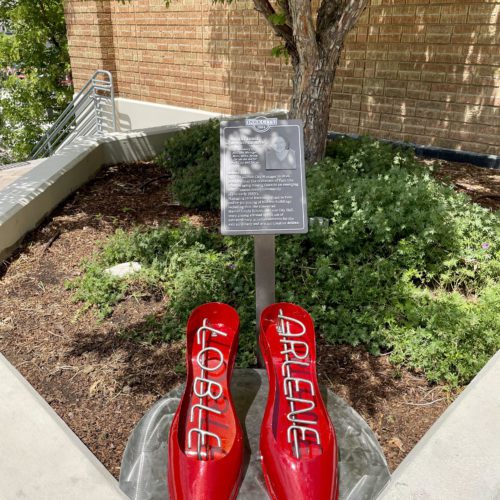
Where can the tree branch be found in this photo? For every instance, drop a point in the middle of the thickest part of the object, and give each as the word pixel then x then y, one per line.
pixel 303 28
pixel 337 19
pixel 327 15
pixel 284 31
pixel 286 9
pixel 266 9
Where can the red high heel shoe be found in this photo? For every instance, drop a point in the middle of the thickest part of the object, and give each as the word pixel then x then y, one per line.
pixel 206 442
pixel 297 440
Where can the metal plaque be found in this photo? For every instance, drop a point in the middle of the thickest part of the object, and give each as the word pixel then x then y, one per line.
pixel 263 188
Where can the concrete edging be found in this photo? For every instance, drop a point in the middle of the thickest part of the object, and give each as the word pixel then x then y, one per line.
pixel 42 457
pixel 459 457
pixel 31 197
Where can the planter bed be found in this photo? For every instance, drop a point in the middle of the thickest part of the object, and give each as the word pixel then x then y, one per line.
pixel 101 381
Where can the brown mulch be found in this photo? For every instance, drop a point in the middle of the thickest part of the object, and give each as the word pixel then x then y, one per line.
pixel 96 379
pixel 101 382
pixel 481 184
pixel 399 406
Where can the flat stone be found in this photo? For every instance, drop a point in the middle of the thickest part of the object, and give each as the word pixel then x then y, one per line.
pixel 122 270
pixel 363 470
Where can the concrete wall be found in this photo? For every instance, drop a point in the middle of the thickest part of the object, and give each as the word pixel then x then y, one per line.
pixel 133 115
pixel 415 70
pixel 25 202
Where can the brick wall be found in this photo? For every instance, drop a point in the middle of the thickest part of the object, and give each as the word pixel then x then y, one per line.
pixel 414 70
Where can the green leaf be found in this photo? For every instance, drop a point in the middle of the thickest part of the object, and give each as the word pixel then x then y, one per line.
pixel 278 19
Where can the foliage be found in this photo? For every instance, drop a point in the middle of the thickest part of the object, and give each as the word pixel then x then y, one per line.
pixel 281 51
pixel 37 55
pixel 402 263
pixel 98 288
pixel 191 265
pixel 192 158
pixel 152 331
pixel 447 335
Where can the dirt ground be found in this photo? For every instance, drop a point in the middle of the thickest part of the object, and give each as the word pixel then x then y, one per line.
pixel 481 184
pixel 102 383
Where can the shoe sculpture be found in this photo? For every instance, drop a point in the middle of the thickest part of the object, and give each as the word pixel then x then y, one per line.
pixel 206 441
pixel 297 440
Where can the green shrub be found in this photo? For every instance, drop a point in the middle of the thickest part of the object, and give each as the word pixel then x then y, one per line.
pixel 404 264
pixel 445 335
pixel 192 158
pixel 191 265
pixel 152 330
pixel 382 204
pixel 97 288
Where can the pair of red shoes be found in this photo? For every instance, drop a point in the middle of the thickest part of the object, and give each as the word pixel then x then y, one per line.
pixel 297 442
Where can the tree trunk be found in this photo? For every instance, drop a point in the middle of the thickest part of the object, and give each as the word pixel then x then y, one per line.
pixel 311 100
pixel 314 48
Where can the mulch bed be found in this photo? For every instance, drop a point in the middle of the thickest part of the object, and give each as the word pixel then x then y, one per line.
pixel 481 184
pixel 101 383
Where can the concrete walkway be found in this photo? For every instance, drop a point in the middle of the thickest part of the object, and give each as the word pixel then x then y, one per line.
pixel 40 457
pixel 9 173
pixel 459 457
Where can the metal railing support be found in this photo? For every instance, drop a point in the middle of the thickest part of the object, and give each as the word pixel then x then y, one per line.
pixel 96 100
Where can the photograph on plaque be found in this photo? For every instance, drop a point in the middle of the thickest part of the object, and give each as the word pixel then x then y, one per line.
pixel 279 155
pixel 263 189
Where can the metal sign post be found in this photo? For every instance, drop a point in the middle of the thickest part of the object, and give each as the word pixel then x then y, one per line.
pixel 265 286
pixel 263 190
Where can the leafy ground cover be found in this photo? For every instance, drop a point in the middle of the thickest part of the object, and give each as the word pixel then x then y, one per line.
pixel 404 265
pixel 102 375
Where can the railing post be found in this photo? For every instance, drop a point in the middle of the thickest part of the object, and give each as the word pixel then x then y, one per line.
pixel 62 131
pixel 112 101
pixel 94 101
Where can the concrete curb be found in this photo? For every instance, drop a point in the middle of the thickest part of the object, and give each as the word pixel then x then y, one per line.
pixel 459 457
pixel 41 457
pixel 31 197
pixel 25 202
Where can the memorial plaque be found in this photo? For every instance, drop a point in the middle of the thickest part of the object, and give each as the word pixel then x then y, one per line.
pixel 263 189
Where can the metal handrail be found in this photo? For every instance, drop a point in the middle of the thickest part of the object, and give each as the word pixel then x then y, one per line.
pixel 91 113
